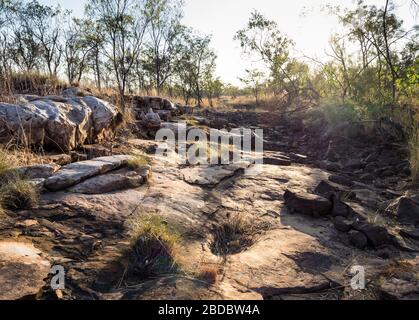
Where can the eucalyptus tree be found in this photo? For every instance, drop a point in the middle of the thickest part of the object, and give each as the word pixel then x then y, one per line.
pixel 164 33
pixel 262 38
pixel 197 62
pixel 124 24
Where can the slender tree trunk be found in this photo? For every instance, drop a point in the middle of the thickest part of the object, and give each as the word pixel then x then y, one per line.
pixel 388 53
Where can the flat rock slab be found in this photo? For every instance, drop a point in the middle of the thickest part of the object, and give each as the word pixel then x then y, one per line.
pixel 77 172
pixel 210 175
pixel 112 182
pixel 22 270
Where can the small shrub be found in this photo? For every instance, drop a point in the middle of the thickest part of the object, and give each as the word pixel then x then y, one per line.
pixel 18 194
pixel 337 112
pixel 154 248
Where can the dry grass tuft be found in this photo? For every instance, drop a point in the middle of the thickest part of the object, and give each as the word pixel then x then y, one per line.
pixel 209 273
pixel 138 160
pixel 154 248
pixel 233 235
pixel 5 163
pixel 18 194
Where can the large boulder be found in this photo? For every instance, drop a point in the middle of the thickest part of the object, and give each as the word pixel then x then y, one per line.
pixel 22 123
pixel 150 120
pixel 63 123
pixel 105 118
pixel 307 203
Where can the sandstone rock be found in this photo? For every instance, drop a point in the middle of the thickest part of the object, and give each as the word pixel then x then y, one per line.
pixel 410 233
pixel 155 103
pixel 210 175
pixel 22 270
pixel 376 235
pixel 389 130
pixel 341 180
pixel 408 210
pixel 24 123
pixel 39 171
pixel 67 125
pixel 110 182
pixel 334 167
pixel 105 118
pixel 354 164
pixel 74 92
pixel 342 224
pixel 307 203
pixel 328 189
pixel 358 239
pixel 96 151
pixel 340 208
pixel 151 120
pixel 60 159
pixel 38 184
pixel 74 173
pixel 58 122
pixel 277 160
pixel 164 115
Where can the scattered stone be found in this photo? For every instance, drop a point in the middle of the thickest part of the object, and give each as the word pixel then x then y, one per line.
pixel 407 210
pixel 358 239
pixel 354 164
pixel 96 151
pixel 327 189
pixel 307 203
pixel 340 209
pixel 22 270
pixel 341 224
pixel 341 180
pixel 334 167
pixel 410 233
pixel 376 235
pixel 151 120
pixel 77 156
pixel 74 173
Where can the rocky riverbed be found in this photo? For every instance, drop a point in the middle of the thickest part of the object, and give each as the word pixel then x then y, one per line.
pixel 317 207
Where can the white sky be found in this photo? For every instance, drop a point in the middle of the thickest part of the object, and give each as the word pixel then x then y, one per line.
pixel 222 18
